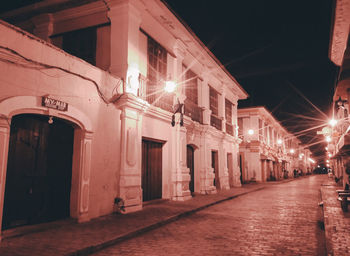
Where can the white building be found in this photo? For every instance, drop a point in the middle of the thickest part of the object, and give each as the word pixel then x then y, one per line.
pixel 267 149
pixel 89 130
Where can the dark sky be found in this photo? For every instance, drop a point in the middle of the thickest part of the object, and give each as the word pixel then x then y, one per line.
pixel 278 52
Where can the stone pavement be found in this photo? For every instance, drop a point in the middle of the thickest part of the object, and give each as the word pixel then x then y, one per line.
pixel 283 219
pixel 70 238
pixel 337 222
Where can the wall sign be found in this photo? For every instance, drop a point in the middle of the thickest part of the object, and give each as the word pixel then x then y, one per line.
pixel 55 104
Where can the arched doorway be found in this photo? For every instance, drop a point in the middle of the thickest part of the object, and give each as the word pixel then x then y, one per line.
pixel 39 170
pixel 190 165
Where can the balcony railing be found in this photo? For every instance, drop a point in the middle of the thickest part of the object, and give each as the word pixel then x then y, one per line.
pixel 193 111
pixel 154 96
pixel 229 129
pixel 216 122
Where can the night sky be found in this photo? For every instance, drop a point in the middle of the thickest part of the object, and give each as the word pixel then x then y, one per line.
pixel 278 52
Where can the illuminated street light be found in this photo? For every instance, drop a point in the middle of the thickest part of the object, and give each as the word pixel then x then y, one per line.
pixel 327 161
pixel 330 155
pixel 250 131
pixel 328 138
pixel 333 122
pixel 327 148
pixel 291 151
pixel 311 160
pixel 170 86
pixel 279 141
pixel 318 166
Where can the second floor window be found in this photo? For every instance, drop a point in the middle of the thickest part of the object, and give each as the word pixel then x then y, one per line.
pixel 228 111
pixel 190 83
pixel 214 101
pixel 156 76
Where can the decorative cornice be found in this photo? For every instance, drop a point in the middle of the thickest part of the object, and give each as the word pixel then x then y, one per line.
pixel 340 33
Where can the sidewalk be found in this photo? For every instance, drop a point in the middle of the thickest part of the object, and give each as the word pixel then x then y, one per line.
pixel 337 222
pixel 70 238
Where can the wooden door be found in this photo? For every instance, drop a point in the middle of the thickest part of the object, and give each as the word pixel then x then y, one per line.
pixel 39 171
pixel 151 170
pixel 190 165
pixel 215 166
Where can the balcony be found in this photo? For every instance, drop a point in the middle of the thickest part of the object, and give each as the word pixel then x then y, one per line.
pixel 193 111
pixel 216 122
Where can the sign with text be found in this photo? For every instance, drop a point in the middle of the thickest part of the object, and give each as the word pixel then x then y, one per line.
pixel 55 104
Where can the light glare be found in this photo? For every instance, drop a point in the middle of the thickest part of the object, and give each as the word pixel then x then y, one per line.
pixel 170 86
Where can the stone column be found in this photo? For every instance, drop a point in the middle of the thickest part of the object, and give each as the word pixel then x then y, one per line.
pixel 4 145
pixel 130 151
pixel 43 26
pixel 125 28
pixel 205 97
pixel 180 173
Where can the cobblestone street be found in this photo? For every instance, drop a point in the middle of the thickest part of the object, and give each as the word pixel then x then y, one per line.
pixel 284 219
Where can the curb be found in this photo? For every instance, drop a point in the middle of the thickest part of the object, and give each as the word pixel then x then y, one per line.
pixel 98 247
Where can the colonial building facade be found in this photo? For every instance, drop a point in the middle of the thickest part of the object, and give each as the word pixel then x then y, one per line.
pixel 268 151
pixel 339 53
pixel 85 122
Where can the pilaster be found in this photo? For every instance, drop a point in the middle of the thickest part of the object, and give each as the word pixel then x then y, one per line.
pixel 180 173
pixel 130 150
pixel 125 28
pixel 4 145
pixel 207 174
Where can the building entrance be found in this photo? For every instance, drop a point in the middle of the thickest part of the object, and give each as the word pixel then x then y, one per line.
pixel 151 170
pixel 190 165
pixel 39 171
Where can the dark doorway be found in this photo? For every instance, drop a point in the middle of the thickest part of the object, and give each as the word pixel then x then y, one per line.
pixel 151 170
pixel 241 168
pixel 190 165
pixel 39 171
pixel 215 166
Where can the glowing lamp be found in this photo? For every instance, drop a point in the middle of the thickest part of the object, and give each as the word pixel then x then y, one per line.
pixel 279 141
pixel 327 148
pixel 328 138
pixel 250 132
pixel 291 151
pixel 327 161
pixel 333 122
pixel 329 154
pixel 170 86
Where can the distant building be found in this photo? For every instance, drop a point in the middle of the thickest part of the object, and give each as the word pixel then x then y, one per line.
pixel 339 53
pixel 267 151
pixel 85 123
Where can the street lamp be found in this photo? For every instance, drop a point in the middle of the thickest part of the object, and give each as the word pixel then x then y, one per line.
pixel 333 122
pixel 279 141
pixel 291 151
pixel 328 138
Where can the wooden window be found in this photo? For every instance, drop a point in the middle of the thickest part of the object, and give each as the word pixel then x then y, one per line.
pixel 240 126
pixel 214 101
pixel 228 111
pixel 261 137
pixel 191 86
pixel 156 74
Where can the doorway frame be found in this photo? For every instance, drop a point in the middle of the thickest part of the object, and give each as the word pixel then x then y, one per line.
pixel 81 164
